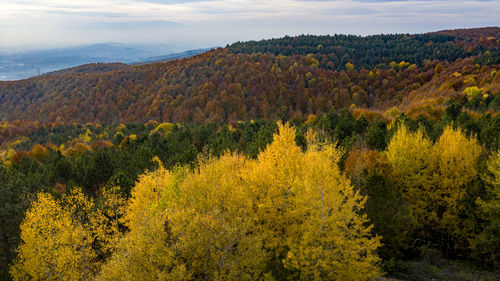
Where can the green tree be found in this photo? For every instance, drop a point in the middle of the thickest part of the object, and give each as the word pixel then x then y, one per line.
pixel 486 245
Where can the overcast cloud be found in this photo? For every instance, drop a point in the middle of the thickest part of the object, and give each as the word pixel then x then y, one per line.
pixel 204 23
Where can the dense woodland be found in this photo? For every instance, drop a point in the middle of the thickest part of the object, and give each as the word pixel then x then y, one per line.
pixel 301 158
pixel 301 77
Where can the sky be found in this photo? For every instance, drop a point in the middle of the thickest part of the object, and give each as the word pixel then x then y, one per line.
pixel 38 24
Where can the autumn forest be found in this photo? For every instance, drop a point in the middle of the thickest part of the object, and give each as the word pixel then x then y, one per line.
pixel 334 157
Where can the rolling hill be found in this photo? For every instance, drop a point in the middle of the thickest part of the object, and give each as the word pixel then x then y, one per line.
pixel 277 78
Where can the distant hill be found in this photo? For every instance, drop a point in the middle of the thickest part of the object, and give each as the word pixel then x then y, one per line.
pixel 15 66
pixel 166 58
pixel 94 68
pixel 277 78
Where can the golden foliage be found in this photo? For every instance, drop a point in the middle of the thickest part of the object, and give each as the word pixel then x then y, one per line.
pixel 392 113
pixel 48 243
pixel 76 150
pixel 454 166
pixel 163 128
pixel 410 157
pixel 57 238
pixel 142 253
pixel 38 152
pixel 472 92
pixel 349 66
pixel 310 119
pixel 234 219
pixel 433 177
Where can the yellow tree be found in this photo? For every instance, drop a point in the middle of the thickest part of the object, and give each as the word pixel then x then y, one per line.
pixel 48 243
pixel 215 217
pixel 86 220
pixel 271 180
pixel 112 207
pixel 435 178
pixel 331 242
pixel 142 253
pixel 286 213
pixel 189 226
pixel 409 155
pixel 453 163
pixel 309 213
pixel 57 239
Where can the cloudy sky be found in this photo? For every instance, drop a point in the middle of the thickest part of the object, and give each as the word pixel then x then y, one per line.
pixel 206 23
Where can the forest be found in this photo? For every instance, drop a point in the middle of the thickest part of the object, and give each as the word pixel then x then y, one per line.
pixel 231 84
pixel 301 158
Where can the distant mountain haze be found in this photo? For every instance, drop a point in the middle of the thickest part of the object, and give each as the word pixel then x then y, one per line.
pixel 21 65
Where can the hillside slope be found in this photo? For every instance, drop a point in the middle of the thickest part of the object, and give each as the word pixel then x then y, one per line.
pixel 278 78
